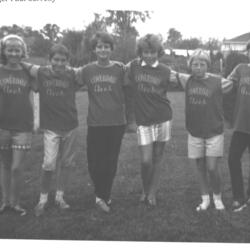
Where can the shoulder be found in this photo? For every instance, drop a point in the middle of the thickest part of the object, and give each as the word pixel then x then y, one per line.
pixel 45 70
pixel 118 65
pixel 134 62
pixel 213 76
pixel 164 67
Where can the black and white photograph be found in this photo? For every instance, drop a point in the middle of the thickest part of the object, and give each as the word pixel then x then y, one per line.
pixel 124 124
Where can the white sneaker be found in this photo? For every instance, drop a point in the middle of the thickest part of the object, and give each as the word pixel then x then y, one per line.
pixel 203 206
pixel 102 205
pixel 218 204
pixel 62 204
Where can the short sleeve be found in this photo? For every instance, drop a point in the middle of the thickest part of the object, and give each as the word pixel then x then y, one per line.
pixel 234 75
pixel 80 75
pixel 128 74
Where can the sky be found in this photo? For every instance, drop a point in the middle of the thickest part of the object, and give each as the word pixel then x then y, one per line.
pixel 193 18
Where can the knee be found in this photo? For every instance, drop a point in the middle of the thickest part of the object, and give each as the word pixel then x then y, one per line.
pixel 49 165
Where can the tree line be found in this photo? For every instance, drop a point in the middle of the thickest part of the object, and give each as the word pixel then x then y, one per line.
pixel 122 24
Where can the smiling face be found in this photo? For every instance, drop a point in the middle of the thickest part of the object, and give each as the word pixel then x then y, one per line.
pixel 199 68
pixel 149 56
pixel 13 52
pixel 103 51
pixel 59 62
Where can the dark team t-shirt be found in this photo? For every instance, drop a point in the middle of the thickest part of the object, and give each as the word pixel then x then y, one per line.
pixel 241 76
pixel 57 99
pixel 16 111
pixel 105 92
pixel 204 113
pixel 150 86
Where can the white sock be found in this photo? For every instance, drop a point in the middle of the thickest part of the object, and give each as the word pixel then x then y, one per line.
pixel 97 199
pixel 59 195
pixel 205 201
pixel 217 196
pixel 43 198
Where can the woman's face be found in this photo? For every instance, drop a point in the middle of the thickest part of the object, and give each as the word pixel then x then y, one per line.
pixel 13 51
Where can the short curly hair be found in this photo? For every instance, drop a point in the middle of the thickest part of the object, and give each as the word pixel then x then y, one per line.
pixel 152 42
pixel 3 43
pixel 58 49
pixel 105 37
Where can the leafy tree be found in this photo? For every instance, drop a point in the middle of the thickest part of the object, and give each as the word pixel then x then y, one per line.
pixel 123 21
pixel 73 41
pixel 122 24
pixel 174 36
pixel 191 43
pixel 212 44
pixel 97 25
pixel 51 32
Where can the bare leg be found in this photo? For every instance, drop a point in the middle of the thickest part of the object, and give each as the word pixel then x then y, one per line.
pixel 154 175
pixel 6 157
pixel 46 181
pixel 146 166
pixel 214 174
pixel 203 182
pixel 202 175
pixel 16 176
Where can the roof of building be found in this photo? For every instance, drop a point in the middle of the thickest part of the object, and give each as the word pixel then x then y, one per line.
pixel 242 38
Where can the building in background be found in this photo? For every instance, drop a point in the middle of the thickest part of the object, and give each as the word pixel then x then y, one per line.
pixel 235 44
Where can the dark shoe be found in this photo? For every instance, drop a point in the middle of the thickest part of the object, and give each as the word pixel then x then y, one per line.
pixel 238 206
pixel 19 210
pixel 4 208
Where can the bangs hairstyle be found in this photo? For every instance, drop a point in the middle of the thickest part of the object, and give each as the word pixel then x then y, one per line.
pixel 103 37
pixel 59 49
pixel 201 55
pixel 3 43
pixel 151 42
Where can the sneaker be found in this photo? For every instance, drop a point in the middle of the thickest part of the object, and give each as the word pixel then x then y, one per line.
pixel 109 202
pixel 5 208
pixel 238 206
pixel 62 204
pixel 40 207
pixel 103 205
pixel 202 207
pixel 19 210
pixel 218 204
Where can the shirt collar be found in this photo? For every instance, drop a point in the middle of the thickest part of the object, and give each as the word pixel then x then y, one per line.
pixel 156 63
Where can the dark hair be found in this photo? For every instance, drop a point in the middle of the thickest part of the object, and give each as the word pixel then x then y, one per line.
pixel 152 42
pixel 58 49
pixel 248 46
pixel 104 37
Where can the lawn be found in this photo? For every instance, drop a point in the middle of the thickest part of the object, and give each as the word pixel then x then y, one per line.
pixel 173 220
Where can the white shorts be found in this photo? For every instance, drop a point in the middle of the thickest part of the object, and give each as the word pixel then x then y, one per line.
pixel 63 143
pixel 200 147
pixel 154 133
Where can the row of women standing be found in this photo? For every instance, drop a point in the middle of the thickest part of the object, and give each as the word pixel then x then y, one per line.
pixel 116 94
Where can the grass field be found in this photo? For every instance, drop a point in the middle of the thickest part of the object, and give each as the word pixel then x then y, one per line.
pixel 173 220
